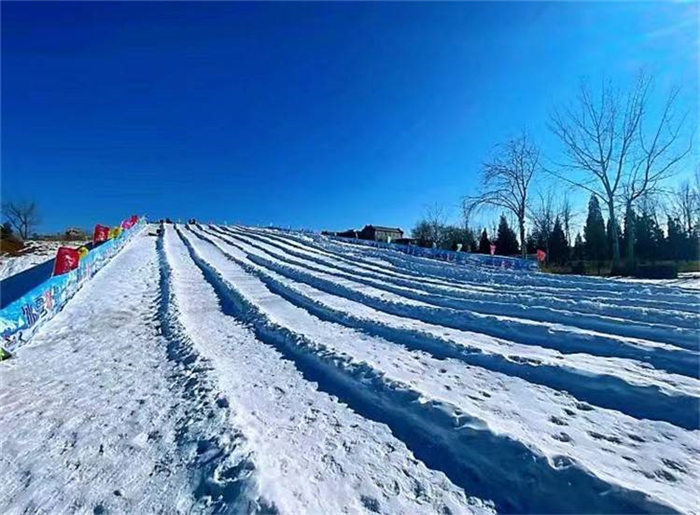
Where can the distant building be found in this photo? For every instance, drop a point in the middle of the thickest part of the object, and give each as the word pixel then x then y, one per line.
pixel 73 233
pixel 379 233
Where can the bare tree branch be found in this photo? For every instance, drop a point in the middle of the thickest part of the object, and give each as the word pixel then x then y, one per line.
pixel 506 180
pixel 607 152
pixel 23 216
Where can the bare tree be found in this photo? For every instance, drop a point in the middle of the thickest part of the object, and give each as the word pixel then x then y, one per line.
pixel 685 204
pixel 436 218
pixel 506 180
pixel 608 152
pixel 432 226
pixel 567 215
pixel 543 216
pixel 23 216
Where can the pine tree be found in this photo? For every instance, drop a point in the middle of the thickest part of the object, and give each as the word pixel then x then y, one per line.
pixel 484 243
pixel 558 246
pixel 473 244
pixel 692 247
pixel 650 237
pixel 609 239
pixel 578 252
pixel 506 241
pixel 594 232
pixel 531 243
pixel 676 239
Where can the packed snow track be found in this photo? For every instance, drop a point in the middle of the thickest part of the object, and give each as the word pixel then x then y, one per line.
pixel 241 370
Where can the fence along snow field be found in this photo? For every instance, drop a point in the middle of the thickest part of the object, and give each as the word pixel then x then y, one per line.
pixel 20 319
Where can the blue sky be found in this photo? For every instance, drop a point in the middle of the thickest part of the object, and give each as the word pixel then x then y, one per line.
pixel 300 114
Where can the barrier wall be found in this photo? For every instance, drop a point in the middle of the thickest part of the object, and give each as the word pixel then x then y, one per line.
pixel 20 319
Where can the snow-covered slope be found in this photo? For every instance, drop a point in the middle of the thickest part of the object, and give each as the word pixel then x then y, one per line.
pixel 231 369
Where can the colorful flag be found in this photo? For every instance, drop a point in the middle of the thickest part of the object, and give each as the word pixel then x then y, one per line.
pixel 101 234
pixel 129 222
pixel 67 259
pixel 541 255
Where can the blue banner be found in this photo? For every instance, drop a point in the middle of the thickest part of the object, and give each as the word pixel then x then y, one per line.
pixel 21 318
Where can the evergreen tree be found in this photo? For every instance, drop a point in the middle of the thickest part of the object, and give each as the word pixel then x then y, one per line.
pixel 558 246
pixel 422 231
pixel 506 240
pixel 594 232
pixel 676 240
pixel 531 243
pixel 629 237
pixel 484 243
pixel 649 237
pixel 578 252
pixel 692 247
pixel 609 239
pixel 452 236
pixel 473 244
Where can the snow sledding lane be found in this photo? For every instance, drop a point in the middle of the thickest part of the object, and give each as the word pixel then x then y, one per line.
pixel 101 413
pixel 313 455
pixel 465 410
pixel 638 454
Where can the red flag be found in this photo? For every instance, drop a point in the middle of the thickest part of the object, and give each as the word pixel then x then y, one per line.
pixel 493 249
pixel 129 222
pixel 67 259
pixel 541 255
pixel 101 233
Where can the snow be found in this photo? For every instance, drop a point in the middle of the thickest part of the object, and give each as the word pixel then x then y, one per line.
pixel 36 252
pixel 241 370
pixel 689 280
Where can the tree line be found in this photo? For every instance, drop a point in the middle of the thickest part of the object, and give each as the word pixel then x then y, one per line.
pixel 619 151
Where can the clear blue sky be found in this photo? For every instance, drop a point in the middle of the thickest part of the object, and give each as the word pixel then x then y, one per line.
pixel 303 114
